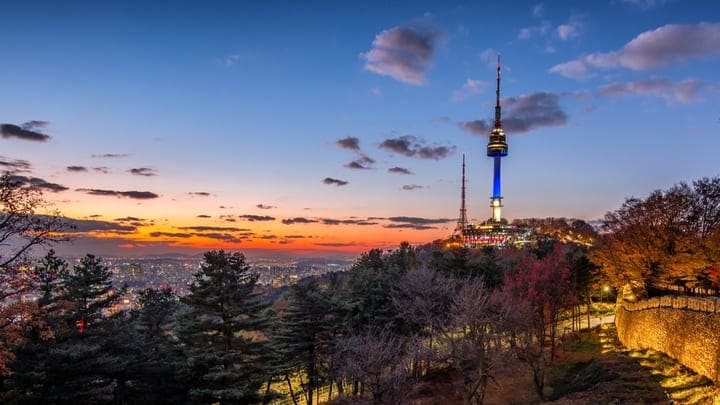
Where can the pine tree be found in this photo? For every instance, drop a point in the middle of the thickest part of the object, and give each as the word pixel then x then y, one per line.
pixel 86 362
pixel 223 330
pixel 304 335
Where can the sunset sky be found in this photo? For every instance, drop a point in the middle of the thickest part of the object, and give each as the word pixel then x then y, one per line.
pixel 331 126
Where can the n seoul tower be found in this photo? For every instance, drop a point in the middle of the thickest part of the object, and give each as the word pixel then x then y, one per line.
pixel 497 148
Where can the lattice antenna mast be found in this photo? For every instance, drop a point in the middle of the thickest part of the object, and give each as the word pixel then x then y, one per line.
pixel 462 220
pixel 498 112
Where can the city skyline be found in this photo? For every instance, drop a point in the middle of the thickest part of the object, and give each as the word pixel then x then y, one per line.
pixel 323 128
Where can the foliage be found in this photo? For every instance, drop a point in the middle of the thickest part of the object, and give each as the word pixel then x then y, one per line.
pixel 670 237
pixel 222 330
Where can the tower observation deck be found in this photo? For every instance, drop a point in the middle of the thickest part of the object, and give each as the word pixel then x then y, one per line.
pixel 497 148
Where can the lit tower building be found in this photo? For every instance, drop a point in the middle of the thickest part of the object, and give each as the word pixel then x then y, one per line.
pixel 495 231
pixel 497 148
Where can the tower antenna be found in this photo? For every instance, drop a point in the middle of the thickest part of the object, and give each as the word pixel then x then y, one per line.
pixel 462 219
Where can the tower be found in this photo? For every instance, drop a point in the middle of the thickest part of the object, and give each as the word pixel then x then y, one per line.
pixel 497 148
pixel 462 219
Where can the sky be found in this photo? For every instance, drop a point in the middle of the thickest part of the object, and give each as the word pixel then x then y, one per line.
pixel 330 128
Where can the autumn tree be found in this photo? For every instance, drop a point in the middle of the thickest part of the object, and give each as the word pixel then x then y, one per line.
pixel 26 221
pixel 670 237
pixel 223 330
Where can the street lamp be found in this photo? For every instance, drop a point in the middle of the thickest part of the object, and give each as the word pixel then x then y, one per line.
pixel 604 290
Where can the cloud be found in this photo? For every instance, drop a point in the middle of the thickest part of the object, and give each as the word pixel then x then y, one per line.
pixel 102 169
pixel 399 170
pixel 203 216
pixel 265 207
pixel 143 171
pixel 26 131
pixel 77 169
pixel 538 10
pixel 298 220
pixel 128 219
pixel 409 226
pixel 224 237
pixel 182 235
pixel 645 4
pixel 351 143
pixel 362 163
pixel 200 193
pixel 213 229
pixel 297 237
pixel 111 156
pixel 682 92
pixel 468 89
pixel 544 28
pixel 410 187
pixel 37 183
pixel 254 218
pixel 489 57
pixel 410 146
pixel 89 225
pixel 331 221
pixel 337 182
pixel 138 195
pixel 403 53
pixel 419 221
pixel 651 49
pixel 524 113
pixel 230 60
pixel 15 165
pixel 570 30
pixel 376 91
pixel 335 244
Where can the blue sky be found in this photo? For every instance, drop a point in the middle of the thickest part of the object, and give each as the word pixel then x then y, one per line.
pixel 246 102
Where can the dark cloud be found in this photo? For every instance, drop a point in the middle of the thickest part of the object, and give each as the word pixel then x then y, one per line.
pixel 298 220
pixel 651 49
pixel 89 225
pixel 410 187
pixel 25 131
pixel 411 146
pixel 265 207
pixel 138 195
pixel 102 169
pixel 682 92
pixel 296 237
pixel 15 165
pixel 337 182
pixel 335 244
pixel 331 221
pixel 224 237
pixel 203 216
pixel 253 218
pixel 524 113
pixel 213 229
pixel 267 237
pixel 143 171
pixel 127 219
pixel 409 226
pixel 111 156
pixel 200 193
pixel 37 183
pixel 403 53
pixel 77 169
pixel 419 221
pixel 223 207
pixel 95 216
pixel 362 163
pixel 399 170
pixel 182 235
pixel 350 143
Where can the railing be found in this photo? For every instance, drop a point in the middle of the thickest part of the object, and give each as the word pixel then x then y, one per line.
pixel 700 304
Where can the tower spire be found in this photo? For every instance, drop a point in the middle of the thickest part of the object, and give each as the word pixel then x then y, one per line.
pixel 462 219
pixel 498 112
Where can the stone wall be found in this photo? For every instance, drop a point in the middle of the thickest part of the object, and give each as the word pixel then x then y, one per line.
pixel 685 328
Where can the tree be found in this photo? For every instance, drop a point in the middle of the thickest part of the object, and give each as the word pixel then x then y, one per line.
pixel 223 330
pixel 535 297
pixel 155 372
pixel 23 225
pixel 305 334
pixel 669 238
pixel 87 358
